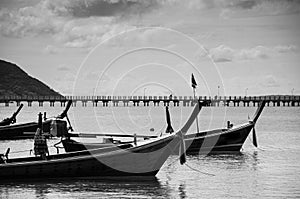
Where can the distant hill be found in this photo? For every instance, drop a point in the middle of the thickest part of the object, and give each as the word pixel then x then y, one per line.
pixel 15 81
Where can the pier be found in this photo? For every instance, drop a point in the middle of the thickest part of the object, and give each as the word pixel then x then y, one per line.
pixel 271 100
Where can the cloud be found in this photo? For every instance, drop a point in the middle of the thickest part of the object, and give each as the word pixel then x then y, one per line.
pixel 256 8
pixel 92 8
pixel 28 21
pixel 277 7
pixel 17 3
pixel 71 32
pixel 46 17
pixel 83 24
pixel 88 8
pixel 224 53
pixel 88 32
pixel 49 49
pixel 253 53
pixel 64 67
pixel 286 49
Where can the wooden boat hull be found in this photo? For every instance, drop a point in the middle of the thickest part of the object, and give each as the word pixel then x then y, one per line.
pixel 220 141
pixel 144 160
pixel 214 141
pixel 21 131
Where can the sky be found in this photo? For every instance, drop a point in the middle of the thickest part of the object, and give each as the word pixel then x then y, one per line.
pixel 151 47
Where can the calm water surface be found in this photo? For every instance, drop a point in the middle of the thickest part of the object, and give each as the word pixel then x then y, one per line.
pixel 271 171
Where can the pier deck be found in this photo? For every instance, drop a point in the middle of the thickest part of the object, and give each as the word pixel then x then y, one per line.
pixel 271 100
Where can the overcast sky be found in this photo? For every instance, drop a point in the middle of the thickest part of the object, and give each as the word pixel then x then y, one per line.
pixel 151 47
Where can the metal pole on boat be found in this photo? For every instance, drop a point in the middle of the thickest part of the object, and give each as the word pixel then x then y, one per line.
pixel 134 139
pixel 197 115
pixel 194 85
pixel 40 121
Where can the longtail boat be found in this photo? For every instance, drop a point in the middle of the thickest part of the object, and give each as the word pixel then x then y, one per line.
pixel 223 140
pixel 10 130
pixel 137 159
pixel 230 139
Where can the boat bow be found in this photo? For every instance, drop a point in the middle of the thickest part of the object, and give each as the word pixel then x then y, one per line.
pixel 255 118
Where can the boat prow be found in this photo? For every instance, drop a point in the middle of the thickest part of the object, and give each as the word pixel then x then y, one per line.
pixel 224 140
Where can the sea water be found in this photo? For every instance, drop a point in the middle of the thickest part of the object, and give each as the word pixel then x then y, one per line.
pixel 270 171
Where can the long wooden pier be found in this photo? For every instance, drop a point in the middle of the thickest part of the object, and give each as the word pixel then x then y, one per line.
pixel 271 100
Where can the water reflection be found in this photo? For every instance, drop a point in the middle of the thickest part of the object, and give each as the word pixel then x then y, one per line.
pixel 110 187
pixel 255 160
pixel 234 160
pixel 181 190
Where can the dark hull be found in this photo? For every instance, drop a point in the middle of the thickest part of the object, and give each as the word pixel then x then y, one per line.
pixel 21 131
pixel 215 141
pixel 220 141
pixel 143 160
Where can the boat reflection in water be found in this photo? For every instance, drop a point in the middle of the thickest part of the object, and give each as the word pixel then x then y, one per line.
pixel 101 188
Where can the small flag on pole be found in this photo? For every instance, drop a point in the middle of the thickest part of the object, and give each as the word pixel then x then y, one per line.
pixel 194 83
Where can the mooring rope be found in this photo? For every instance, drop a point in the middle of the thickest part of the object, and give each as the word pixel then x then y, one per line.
pixel 197 170
pixel 170 164
pixel 205 173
